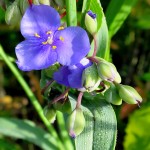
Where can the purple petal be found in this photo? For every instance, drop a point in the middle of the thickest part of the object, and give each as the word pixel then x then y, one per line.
pixel 32 55
pixel 75 78
pixel 74 47
pixel 61 76
pixel 39 19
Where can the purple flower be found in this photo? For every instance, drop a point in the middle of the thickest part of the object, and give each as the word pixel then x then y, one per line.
pixel 47 42
pixel 71 76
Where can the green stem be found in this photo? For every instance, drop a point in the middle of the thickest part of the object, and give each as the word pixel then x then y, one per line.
pixel 31 96
pixel 63 133
pixel 71 12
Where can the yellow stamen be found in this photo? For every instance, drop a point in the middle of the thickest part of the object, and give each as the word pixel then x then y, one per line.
pixel 37 35
pixel 61 38
pixel 44 43
pixel 60 28
pixel 54 47
pixel 49 32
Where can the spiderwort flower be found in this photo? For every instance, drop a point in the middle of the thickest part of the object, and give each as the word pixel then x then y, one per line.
pixel 71 76
pixel 47 42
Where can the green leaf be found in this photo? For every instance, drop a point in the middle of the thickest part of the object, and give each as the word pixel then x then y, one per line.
pixel 103 41
pixel 137 131
pixel 116 13
pixel 28 131
pixel 143 21
pixel 101 126
pixel 5 145
pixel 71 12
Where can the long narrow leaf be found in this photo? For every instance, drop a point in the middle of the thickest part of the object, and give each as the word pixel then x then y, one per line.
pixel 27 130
pixel 116 13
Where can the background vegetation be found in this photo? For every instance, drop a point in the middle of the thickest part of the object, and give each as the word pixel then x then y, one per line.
pixel 130 53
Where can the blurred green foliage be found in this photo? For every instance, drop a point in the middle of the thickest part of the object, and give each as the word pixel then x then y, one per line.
pixel 130 53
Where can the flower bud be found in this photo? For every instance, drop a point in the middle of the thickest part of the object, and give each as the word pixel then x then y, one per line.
pixel 13 14
pixel 90 78
pixel 112 96
pixel 23 4
pixel 50 113
pixel 91 22
pixel 107 71
pixel 60 3
pixel 63 106
pixel 129 94
pixel 45 2
pixel 76 122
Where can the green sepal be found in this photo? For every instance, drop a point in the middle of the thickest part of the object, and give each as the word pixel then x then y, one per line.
pixel 13 14
pixel 90 78
pixel 129 94
pixel 63 105
pixel 112 96
pixel 75 122
pixel 49 113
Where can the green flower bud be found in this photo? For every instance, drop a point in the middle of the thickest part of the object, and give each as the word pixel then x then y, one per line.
pixel 60 3
pixel 45 2
pixel 23 4
pixel 63 106
pixel 112 96
pixel 91 22
pixel 13 14
pixel 50 113
pixel 107 71
pixel 76 122
pixel 90 78
pixel 129 94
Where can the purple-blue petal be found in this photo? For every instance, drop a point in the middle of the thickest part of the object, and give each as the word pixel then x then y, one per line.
pixel 39 19
pixel 74 47
pixel 32 55
pixel 75 78
pixel 61 76
pixel 71 76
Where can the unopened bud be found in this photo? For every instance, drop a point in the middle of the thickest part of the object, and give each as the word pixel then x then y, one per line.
pixel 112 96
pixel 50 113
pixel 91 22
pixel 23 4
pixel 129 94
pixel 63 106
pixel 76 122
pixel 90 78
pixel 60 3
pixel 107 71
pixel 13 14
pixel 45 2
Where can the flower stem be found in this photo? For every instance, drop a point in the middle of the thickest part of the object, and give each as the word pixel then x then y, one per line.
pixel 47 85
pixel 79 100
pixel 62 96
pixel 95 45
pixel 31 96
